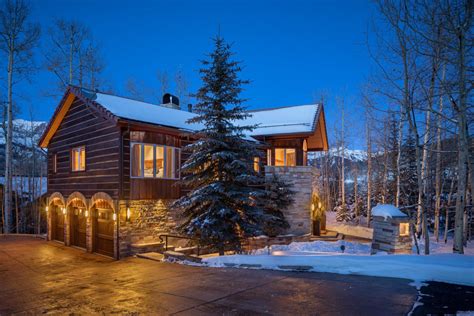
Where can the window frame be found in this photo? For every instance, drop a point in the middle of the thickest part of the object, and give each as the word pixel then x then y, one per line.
pixel 285 162
pixel 177 157
pixel 80 149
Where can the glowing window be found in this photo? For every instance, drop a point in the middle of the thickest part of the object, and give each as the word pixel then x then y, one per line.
pixel 256 164
pixel 404 229
pixel 154 161
pixel 148 161
pixel 285 157
pixel 78 158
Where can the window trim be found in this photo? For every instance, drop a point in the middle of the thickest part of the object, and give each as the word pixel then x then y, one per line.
pixel 177 173
pixel 80 148
pixel 285 164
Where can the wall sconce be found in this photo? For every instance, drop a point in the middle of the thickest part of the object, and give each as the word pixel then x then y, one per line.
pixel 86 213
pixel 114 216
pixel 129 213
pixel 46 209
pixel 312 206
pixel 64 211
pixel 319 205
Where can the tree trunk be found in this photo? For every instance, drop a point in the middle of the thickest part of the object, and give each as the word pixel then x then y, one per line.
pixel 399 155
pixel 7 198
pixel 438 165
pixel 369 172
pixel 463 148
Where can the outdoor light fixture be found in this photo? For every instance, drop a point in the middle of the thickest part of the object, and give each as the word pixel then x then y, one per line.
pixel 46 209
pixel 312 206
pixel 86 213
pixel 114 216
pixel 128 213
pixel 64 211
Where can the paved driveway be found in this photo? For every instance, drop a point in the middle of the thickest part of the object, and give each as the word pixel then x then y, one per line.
pixel 39 277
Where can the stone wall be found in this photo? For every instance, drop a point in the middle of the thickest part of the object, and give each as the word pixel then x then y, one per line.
pixel 148 220
pixel 387 237
pixel 298 215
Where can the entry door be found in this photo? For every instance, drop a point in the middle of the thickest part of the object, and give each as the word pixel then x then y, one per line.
pixel 104 232
pixel 78 225
pixel 58 225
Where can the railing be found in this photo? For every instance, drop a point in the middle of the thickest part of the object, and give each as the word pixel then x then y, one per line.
pixel 166 236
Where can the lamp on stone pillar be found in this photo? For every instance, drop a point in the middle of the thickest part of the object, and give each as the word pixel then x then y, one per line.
pixel 129 213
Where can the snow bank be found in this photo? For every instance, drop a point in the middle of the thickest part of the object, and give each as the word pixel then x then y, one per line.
pixel 316 247
pixel 387 211
pixel 350 229
pixel 449 268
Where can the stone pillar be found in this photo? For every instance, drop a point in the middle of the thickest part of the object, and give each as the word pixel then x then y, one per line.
pixel 89 232
pixel 67 228
pixel 388 236
pixel 298 215
pixel 49 221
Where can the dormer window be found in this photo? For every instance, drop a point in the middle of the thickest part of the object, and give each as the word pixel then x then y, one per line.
pixel 78 161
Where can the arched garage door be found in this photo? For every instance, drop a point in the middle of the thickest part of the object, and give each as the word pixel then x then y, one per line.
pixel 103 222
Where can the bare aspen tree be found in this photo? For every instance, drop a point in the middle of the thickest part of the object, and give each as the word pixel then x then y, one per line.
pixel 181 87
pixel 73 57
pixel 18 37
pixel 438 165
pixel 163 81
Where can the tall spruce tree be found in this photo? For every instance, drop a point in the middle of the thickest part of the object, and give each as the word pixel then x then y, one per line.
pixel 222 205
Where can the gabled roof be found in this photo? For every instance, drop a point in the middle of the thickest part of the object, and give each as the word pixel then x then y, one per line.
pixel 292 120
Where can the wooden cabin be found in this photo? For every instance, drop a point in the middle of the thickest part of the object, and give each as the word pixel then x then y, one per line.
pixel 113 164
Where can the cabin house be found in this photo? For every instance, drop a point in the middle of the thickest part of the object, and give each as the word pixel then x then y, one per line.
pixel 113 166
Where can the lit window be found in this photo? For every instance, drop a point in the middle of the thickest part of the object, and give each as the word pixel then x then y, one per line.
pixel 404 229
pixel 256 164
pixel 148 160
pixel 160 162
pixel 78 158
pixel 285 157
pixel 136 158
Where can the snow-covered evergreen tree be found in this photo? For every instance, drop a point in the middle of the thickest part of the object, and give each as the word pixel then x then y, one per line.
pixel 222 206
pixel 278 196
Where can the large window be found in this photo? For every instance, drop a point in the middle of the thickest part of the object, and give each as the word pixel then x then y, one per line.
pixel 78 156
pixel 154 161
pixel 285 157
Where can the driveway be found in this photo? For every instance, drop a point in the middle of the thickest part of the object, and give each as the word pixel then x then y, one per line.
pixel 38 277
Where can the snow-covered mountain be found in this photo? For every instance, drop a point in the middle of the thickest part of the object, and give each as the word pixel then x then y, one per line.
pixel 25 132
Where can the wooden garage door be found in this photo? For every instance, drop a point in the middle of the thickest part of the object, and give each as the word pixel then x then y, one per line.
pixel 58 224
pixel 78 228
pixel 104 232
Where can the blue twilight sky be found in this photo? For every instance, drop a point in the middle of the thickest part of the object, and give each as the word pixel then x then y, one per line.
pixel 292 50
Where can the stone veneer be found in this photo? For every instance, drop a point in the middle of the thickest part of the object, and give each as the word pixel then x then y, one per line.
pixel 298 215
pixel 148 220
pixel 387 237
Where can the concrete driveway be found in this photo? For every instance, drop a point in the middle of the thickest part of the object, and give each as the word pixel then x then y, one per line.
pixel 38 277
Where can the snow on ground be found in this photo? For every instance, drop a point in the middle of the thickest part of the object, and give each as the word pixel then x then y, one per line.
pixel 351 229
pixel 324 256
pixel 316 247
pixel 450 268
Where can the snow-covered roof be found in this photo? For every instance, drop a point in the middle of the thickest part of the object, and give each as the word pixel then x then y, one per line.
pixel 145 112
pixel 284 120
pixel 387 211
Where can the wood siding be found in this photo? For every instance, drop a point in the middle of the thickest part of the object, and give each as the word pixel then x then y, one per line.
pixel 83 126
